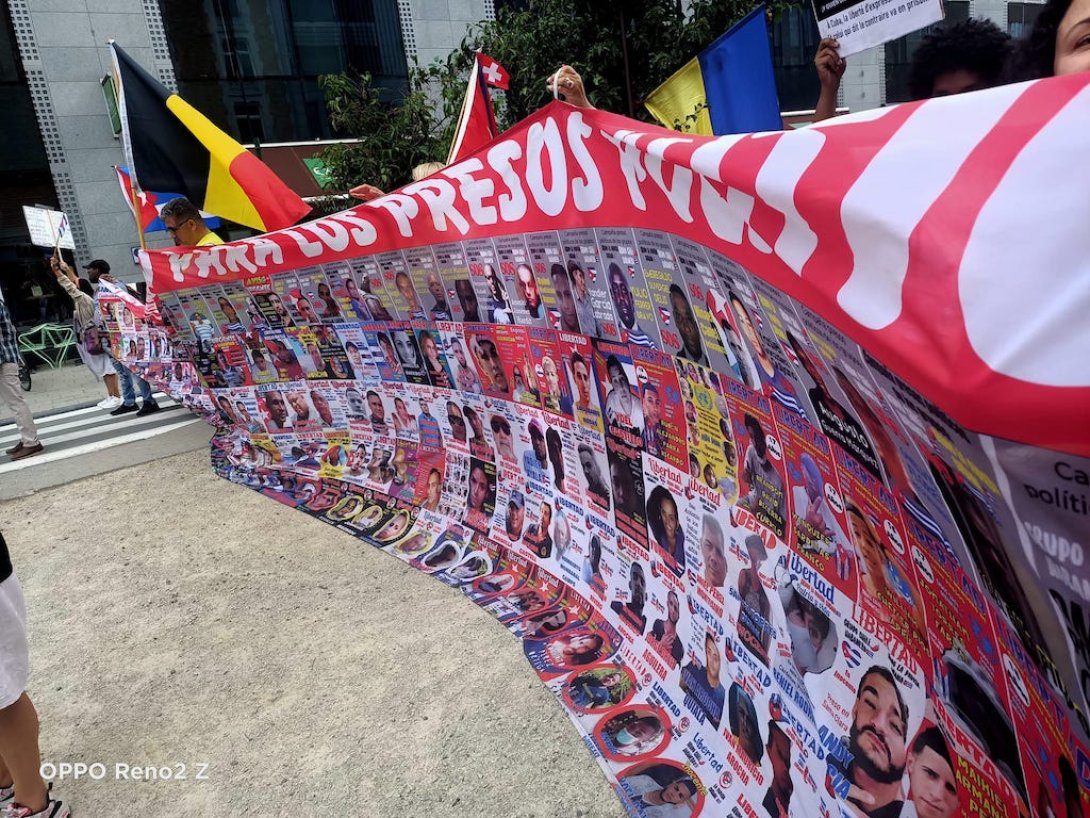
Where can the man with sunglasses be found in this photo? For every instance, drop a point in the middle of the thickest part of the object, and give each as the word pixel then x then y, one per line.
pixel 186 226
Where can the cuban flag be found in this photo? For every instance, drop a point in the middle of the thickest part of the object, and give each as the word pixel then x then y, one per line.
pixel 664 316
pixel 851 654
pixel 151 203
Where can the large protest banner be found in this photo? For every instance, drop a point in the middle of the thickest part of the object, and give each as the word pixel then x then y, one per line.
pixel 771 448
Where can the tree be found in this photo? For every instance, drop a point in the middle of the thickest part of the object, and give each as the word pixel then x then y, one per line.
pixel 624 49
pixel 394 138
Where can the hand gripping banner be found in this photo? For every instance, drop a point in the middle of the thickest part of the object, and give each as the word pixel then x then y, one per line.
pixel 772 448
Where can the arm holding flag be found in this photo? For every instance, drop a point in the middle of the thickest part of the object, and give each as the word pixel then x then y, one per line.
pixel 566 84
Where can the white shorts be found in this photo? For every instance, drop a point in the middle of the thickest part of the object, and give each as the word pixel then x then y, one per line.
pixel 14 661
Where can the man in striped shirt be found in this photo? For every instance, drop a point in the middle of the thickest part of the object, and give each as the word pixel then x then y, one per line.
pixel 11 392
pixel 626 309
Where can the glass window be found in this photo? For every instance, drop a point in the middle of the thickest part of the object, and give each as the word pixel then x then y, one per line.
pixel 795 40
pixel 1021 17
pixel 109 94
pixel 260 77
pixel 250 127
pixel 899 52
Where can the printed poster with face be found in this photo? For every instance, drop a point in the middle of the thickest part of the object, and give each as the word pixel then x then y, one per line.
pixel 663 434
pixel 547 363
pixel 492 300
pixel 458 294
pixel 516 362
pixel 588 284
pixel 375 300
pixel 628 287
pixel 545 252
pixel 520 284
pixel 428 283
pixel 558 302
pixel 481 342
pixel 577 359
pixel 762 489
pixel 345 293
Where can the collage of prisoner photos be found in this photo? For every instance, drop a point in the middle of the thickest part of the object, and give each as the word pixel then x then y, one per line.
pixel 764 576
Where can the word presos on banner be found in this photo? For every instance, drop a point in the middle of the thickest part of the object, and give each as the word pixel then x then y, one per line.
pixel 760 444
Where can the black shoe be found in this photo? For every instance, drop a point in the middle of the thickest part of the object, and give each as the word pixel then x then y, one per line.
pixel 148 408
pixel 16 448
pixel 124 409
pixel 28 451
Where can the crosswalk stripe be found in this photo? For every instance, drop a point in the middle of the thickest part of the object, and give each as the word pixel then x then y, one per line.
pixel 120 424
pixel 45 418
pixel 99 422
pixel 98 445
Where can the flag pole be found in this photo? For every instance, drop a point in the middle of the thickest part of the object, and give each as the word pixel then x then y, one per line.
pixel 126 146
pixel 136 212
pixel 53 230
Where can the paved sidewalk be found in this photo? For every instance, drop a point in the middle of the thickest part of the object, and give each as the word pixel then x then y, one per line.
pixel 65 388
pixel 177 619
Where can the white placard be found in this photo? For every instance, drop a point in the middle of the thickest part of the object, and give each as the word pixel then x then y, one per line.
pixel 862 24
pixel 48 227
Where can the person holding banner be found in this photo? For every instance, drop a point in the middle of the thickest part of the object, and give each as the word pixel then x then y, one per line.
pixel 566 84
pixel 88 338
pixel 99 271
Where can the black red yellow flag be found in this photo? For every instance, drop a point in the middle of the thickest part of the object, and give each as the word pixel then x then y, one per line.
pixel 170 145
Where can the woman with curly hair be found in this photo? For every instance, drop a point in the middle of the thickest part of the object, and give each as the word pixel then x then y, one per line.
pixel 1058 43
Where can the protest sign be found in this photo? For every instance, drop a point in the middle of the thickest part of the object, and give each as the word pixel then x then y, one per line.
pixel 48 228
pixel 862 24
pixel 804 510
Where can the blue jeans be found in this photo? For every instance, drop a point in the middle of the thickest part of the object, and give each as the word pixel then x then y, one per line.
pixel 128 394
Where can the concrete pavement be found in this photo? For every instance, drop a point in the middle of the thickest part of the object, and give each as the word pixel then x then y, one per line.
pixel 177 619
pixel 88 441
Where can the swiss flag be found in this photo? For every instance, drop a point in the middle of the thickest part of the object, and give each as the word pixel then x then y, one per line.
pixel 494 74
pixel 477 122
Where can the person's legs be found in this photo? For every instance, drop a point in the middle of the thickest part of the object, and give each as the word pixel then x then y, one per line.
pixel 150 404
pixel 19 754
pixel 128 394
pixel 145 390
pixel 22 790
pixel 11 394
pixel 111 385
pixel 18 720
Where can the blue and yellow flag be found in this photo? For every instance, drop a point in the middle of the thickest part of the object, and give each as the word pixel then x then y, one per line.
pixel 728 88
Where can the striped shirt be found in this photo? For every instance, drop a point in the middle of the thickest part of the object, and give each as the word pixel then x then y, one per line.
pixel 638 337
